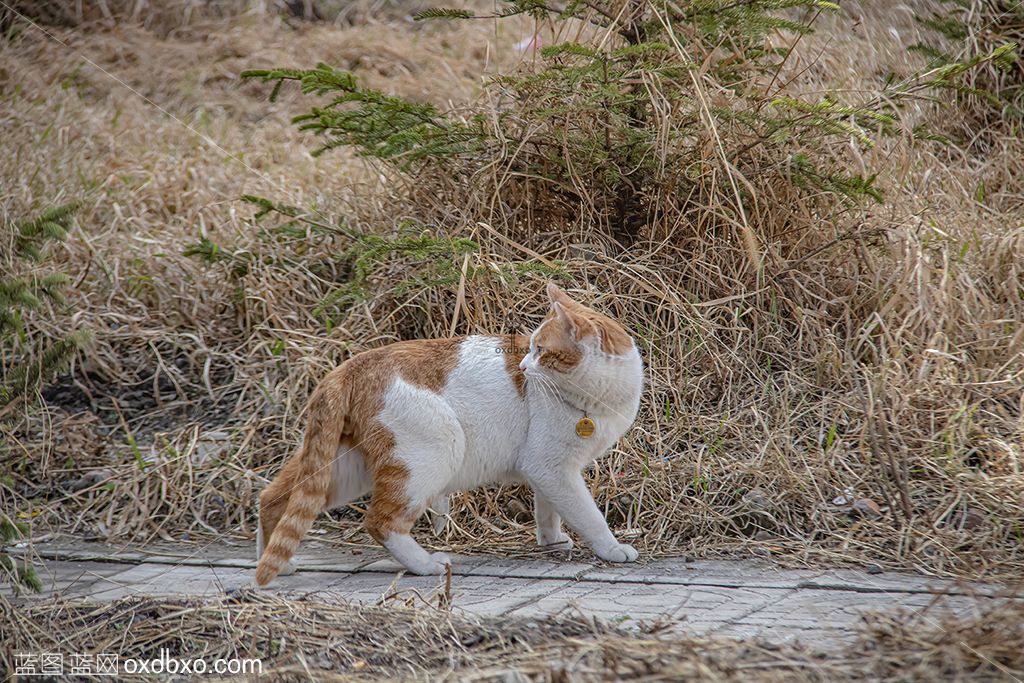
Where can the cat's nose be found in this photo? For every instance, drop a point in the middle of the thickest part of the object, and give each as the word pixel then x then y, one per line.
pixel 522 363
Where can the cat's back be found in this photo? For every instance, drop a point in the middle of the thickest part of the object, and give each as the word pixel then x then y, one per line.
pixel 454 365
pixel 485 374
pixel 467 391
pixel 477 376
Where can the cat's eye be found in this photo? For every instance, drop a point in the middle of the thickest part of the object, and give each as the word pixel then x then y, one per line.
pixel 538 349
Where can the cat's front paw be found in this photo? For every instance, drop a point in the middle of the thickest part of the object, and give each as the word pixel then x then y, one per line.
pixel 620 552
pixel 435 565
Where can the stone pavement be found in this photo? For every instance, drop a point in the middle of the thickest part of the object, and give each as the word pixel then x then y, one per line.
pixel 727 598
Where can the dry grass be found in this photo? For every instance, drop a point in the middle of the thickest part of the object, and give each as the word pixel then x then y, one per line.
pixel 925 648
pixel 993 96
pixel 173 16
pixel 890 366
pixel 328 641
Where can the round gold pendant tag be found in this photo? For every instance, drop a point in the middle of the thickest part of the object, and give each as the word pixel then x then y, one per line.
pixel 585 428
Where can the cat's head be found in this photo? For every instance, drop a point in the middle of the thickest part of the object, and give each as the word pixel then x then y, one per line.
pixel 574 340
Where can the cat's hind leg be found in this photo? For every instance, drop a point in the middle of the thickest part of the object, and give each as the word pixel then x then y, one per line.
pixel 390 519
pixel 349 480
pixel 349 477
pixel 426 454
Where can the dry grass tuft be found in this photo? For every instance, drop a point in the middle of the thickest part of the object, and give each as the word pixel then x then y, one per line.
pixel 308 639
pixel 920 647
pixel 889 366
pixel 160 17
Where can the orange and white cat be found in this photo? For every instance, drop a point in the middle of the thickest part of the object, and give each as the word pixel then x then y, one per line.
pixel 415 421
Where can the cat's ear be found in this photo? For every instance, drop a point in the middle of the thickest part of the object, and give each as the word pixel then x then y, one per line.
pixel 568 320
pixel 556 295
pixel 565 310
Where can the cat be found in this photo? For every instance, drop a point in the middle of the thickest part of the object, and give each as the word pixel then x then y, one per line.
pixel 414 421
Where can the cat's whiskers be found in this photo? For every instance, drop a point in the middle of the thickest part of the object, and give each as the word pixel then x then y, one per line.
pixel 544 384
pixel 549 388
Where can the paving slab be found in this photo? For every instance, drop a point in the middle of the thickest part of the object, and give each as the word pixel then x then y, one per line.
pixel 77 576
pixel 736 599
pixel 705 573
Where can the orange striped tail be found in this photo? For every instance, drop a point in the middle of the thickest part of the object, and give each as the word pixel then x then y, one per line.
pixel 307 494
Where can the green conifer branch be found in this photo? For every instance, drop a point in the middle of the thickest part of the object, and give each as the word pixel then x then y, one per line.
pixel 33 372
pixel 30 363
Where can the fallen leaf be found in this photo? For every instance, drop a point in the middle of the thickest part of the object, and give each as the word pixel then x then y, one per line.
pixel 865 507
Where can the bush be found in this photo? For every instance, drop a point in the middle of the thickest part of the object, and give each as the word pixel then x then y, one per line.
pixel 10 571
pixel 680 127
pixel 677 124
